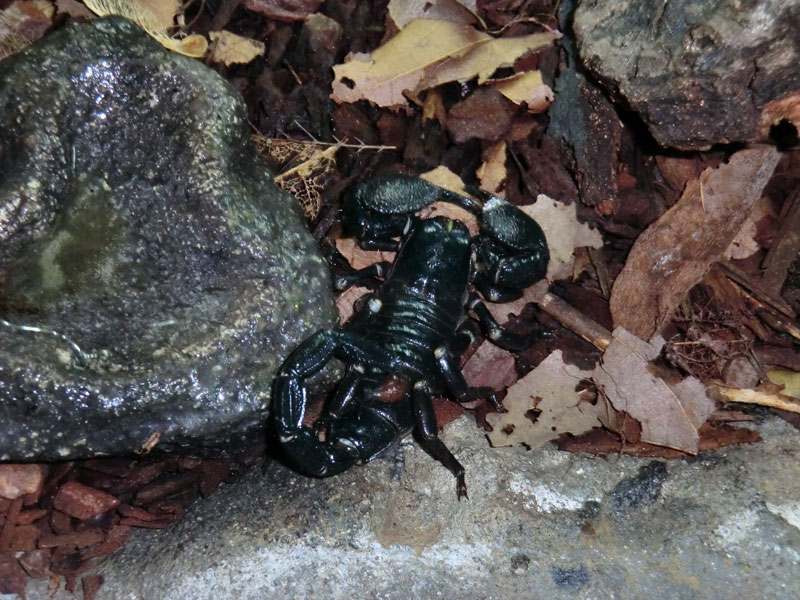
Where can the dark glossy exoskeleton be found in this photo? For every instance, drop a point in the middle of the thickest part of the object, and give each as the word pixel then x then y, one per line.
pixel 414 326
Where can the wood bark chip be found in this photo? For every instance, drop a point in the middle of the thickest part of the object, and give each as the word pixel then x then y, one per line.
pixel 83 502
pixel 674 252
pixel 18 480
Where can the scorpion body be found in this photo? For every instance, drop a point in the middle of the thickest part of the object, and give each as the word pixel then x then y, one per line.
pixel 414 328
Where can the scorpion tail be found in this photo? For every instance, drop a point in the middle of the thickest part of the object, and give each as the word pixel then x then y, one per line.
pixel 313 457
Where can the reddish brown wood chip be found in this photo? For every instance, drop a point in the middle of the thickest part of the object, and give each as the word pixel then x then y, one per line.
pixel 27 517
pixel 83 502
pixel 60 522
pixel 91 585
pixel 214 472
pixel 160 524
pixel 173 485
pixel 79 539
pixel 114 540
pixel 126 510
pixel 23 538
pixel 8 526
pixel 12 577
pixel 36 562
pixel 19 480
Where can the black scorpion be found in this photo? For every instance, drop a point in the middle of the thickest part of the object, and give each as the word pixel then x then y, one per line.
pixel 414 326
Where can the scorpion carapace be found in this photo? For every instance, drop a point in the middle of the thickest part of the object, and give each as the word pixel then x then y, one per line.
pixel 414 325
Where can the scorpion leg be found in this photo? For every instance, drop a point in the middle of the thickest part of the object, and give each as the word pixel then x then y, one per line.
pixel 300 442
pixel 457 385
pixel 345 276
pixel 428 430
pixel 504 338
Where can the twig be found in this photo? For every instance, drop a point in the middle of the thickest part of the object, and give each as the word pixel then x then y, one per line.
pixel 570 317
pixel 746 396
pixel 757 289
pixel 784 249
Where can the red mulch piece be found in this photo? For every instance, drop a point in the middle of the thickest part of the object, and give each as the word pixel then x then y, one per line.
pixel 77 539
pixel 19 480
pixel 91 585
pixel 60 522
pixel 81 501
pixel 167 487
pixel 158 524
pixel 8 526
pixel 118 467
pixel 24 537
pixel 12 577
pixel 69 527
pixel 214 472
pixel 134 512
pixel 114 540
pixel 36 562
pixel 26 517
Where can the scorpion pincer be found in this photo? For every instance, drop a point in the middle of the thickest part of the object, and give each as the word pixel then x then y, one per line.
pixel 414 325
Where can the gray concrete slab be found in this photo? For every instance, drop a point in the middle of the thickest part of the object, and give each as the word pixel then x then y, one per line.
pixel 538 524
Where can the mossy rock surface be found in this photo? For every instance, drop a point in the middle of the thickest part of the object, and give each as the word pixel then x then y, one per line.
pixel 152 276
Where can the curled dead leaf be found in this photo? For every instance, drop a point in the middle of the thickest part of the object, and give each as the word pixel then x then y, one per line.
pixel 229 48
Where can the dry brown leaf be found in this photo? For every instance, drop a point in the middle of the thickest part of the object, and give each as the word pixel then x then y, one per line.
pixel 229 48
pixel 73 8
pixel 156 17
pixel 23 22
pixel 402 12
pixel 544 405
pixel 526 87
pixel 745 244
pixel 669 413
pixel 283 10
pixel 345 301
pixel 672 255
pixel 304 168
pixel 563 232
pixel 424 54
pixel 492 172
pixel 490 366
pixel 358 257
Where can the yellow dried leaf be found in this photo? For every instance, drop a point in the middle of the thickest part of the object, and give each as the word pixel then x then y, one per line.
pixel 790 380
pixel 229 48
pixel 156 18
pixel 526 87
pixel 492 172
pixel 485 58
pixel 424 54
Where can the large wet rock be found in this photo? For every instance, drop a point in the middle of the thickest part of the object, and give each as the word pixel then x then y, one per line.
pixel 152 277
pixel 698 72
